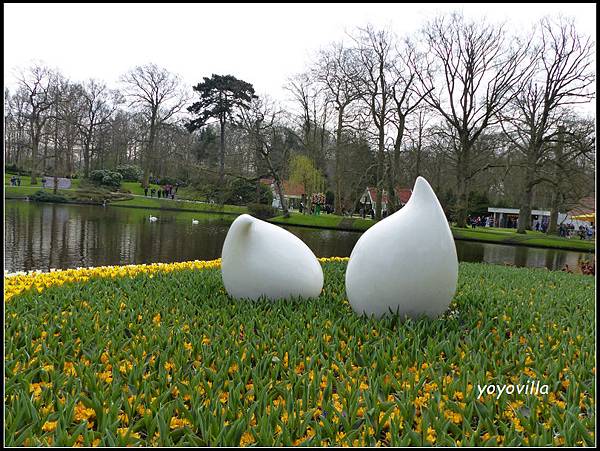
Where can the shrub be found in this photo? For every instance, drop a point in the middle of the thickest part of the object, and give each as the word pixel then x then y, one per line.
pixel 261 211
pixel 130 172
pixel 46 196
pixel 242 192
pixel 105 177
pixel 167 181
pixel 14 169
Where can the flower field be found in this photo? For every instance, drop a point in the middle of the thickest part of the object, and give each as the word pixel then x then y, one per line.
pixel 160 355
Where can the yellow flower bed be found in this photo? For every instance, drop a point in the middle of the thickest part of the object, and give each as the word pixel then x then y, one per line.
pixel 17 283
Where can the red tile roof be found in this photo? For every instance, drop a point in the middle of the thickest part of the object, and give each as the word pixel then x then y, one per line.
pixel 585 206
pixel 403 194
pixel 289 189
pixel 292 189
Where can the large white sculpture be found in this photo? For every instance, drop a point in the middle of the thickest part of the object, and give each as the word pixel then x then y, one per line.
pixel 405 263
pixel 261 259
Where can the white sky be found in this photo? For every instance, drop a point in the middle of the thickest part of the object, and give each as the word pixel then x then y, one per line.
pixel 262 44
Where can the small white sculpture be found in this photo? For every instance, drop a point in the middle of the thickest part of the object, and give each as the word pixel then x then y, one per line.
pixel 153 218
pixel 405 263
pixel 261 259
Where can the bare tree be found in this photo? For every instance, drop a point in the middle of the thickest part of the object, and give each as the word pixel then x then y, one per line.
pixel 36 85
pixel 158 96
pixel 315 104
pixel 406 100
pixel 572 166
pixel 337 71
pixel 375 53
pixel 97 104
pixel 15 127
pixel 478 70
pixel 417 134
pixel 261 121
pixel 563 76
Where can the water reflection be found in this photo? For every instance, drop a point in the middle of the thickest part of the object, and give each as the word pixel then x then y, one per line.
pixel 518 255
pixel 45 236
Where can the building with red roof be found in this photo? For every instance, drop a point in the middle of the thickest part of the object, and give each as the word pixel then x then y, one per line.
pixel 370 195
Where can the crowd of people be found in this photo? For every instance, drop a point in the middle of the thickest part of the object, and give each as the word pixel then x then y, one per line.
pixel 315 209
pixel 166 191
pixel 15 181
pixel 585 232
pixel 480 221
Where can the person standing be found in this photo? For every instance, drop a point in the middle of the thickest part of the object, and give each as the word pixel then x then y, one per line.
pixel 146 191
pixel 152 191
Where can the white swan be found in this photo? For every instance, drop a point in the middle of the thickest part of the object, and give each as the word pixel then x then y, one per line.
pixel 153 218
pixel 195 221
pixel 261 259
pixel 406 263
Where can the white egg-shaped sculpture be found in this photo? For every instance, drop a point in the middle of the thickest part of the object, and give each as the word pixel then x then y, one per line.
pixel 261 259
pixel 406 263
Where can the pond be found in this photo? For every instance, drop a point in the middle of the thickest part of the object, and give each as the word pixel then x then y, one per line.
pixel 45 236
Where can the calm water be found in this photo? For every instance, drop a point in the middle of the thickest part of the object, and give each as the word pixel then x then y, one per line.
pixel 44 236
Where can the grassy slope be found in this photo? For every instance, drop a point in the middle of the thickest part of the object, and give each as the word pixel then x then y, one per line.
pixel 154 203
pixel 486 234
pixel 531 238
pixel 181 349
pixel 182 193
pixel 324 220
pixel 26 182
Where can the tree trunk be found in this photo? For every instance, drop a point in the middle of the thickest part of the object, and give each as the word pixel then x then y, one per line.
pixel 86 158
pixel 149 152
pixel 525 209
pixel 392 204
pixel 462 173
pixel 286 213
pixel 380 175
pixel 461 200
pixel 418 151
pixel 338 164
pixel 552 226
pixel 55 188
pixel 391 192
pixel 527 196
pixel 222 153
pixel 34 153
pixel 558 183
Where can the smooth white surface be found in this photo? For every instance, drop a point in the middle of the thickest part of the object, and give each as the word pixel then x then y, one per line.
pixel 407 262
pixel 194 221
pixel 261 259
pixel 153 218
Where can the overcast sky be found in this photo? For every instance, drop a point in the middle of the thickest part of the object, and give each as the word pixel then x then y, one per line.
pixel 262 44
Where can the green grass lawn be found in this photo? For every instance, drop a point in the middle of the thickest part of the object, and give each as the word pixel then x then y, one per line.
pixel 187 193
pixel 154 203
pixel 323 220
pixel 530 238
pixel 169 359
pixel 26 182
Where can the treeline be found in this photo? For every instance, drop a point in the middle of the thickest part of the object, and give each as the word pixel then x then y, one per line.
pixel 486 116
